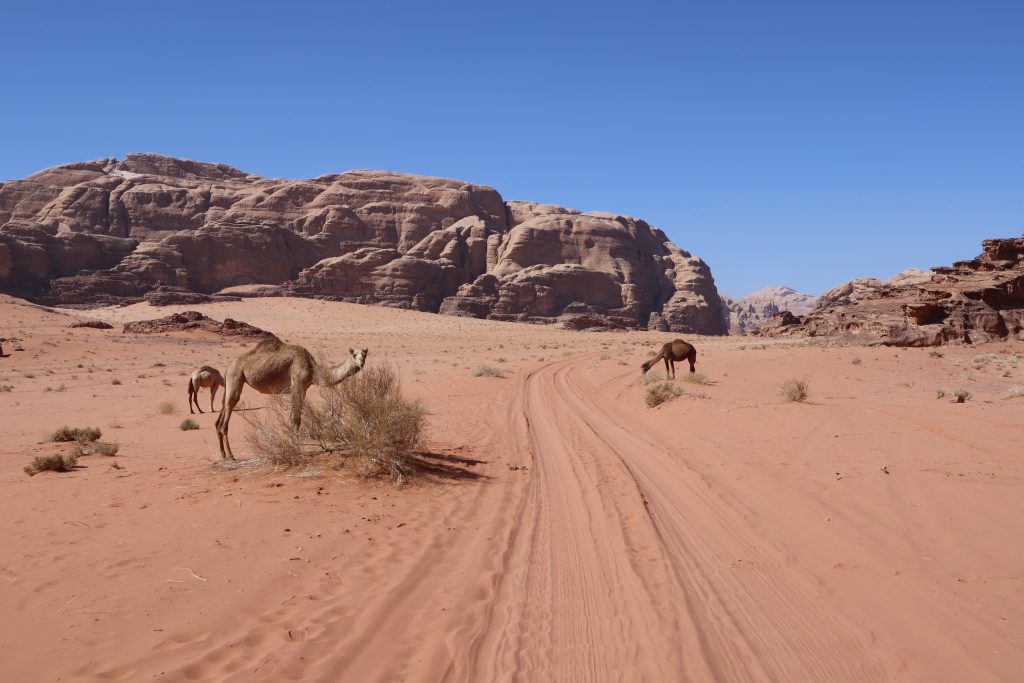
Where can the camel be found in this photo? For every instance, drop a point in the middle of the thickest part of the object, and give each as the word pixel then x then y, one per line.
pixel 205 377
pixel 274 367
pixel 675 350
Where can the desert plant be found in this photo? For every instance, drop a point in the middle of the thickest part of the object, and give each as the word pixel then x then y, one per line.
pixel 75 434
pixel 940 393
pixel 51 463
pixel 166 408
pixel 115 382
pixel 695 378
pixel 936 354
pixel 653 376
pixel 97 448
pixel 661 392
pixel 188 425
pixel 962 395
pixel 5 388
pixel 856 360
pixel 1015 392
pixel 366 419
pixel 795 390
pixel 487 371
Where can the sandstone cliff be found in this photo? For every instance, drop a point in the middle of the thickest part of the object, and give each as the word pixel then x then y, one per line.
pixel 976 300
pixel 109 230
pixel 750 312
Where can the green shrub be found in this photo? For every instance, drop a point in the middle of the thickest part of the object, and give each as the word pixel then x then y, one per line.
pixel 187 425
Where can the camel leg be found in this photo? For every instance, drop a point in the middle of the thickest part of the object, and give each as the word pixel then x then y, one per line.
pixel 693 362
pixel 298 394
pixel 191 394
pixel 665 358
pixel 213 394
pixel 232 392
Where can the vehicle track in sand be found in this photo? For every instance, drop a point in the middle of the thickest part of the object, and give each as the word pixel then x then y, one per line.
pixel 622 564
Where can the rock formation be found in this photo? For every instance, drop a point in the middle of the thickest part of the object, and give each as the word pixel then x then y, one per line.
pixel 110 231
pixel 981 299
pixel 194 320
pixel 752 311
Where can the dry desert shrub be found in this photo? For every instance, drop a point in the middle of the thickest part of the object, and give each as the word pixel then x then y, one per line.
pixel 97 448
pixel 962 395
pixel 5 388
pixel 661 392
pixel 166 408
pixel 115 382
pixel 487 371
pixel 795 390
pixel 365 419
pixel 51 463
pixel 188 425
pixel 940 393
pixel 1015 392
pixel 936 354
pixel 696 378
pixel 654 376
pixel 75 434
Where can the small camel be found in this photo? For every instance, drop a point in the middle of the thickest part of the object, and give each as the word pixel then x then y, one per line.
pixel 205 377
pixel 274 367
pixel 675 350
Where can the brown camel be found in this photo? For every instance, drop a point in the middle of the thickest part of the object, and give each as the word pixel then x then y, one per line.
pixel 205 377
pixel 274 367
pixel 675 350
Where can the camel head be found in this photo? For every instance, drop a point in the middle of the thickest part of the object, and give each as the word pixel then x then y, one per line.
pixel 358 356
pixel 646 365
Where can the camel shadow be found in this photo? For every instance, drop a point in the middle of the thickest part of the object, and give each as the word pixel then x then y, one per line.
pixel 446 466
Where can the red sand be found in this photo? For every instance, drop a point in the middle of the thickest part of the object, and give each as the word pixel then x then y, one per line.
pixel 730 536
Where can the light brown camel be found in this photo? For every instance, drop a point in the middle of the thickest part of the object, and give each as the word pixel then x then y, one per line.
pixel 675 350
pixel 205 377
pixel 274 367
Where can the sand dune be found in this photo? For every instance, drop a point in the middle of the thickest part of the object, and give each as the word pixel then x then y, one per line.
pixel 566 533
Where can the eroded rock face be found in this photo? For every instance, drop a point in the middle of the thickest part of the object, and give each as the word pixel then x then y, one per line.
pixel 194 320
pixel 159 228
pixel 977 300
pixel 755 309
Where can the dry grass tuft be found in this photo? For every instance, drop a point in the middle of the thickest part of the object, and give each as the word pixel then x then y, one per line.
pixel 75 434
pixel 51 463
pixel 487 371
pixel 115 382
pixel 696 378
pixel 187 425
pixel 795 390
pixel 962 395
pixel 97 448
pixel 936 354
pixel 6 388
pixel 1015 392
pixel 661 392
pixel 166 408
pixel 940 393
pixel 365 419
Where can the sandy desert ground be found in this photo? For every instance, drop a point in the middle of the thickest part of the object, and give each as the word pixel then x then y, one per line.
pixel 566 533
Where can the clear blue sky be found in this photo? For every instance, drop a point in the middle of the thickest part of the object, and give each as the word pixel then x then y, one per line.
pixel 799 143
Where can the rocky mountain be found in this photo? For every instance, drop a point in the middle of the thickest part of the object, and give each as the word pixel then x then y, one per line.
pixel 752 311
pixel 150 226
pixel 976 300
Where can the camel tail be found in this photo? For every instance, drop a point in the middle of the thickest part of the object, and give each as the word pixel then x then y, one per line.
pixel 191 389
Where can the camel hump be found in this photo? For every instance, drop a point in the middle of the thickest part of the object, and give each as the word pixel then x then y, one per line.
pixel 271 344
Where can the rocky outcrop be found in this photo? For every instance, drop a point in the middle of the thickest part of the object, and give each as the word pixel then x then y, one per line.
pixel 754 310
pixel 195 321
pixel 173 230
pixel 976 300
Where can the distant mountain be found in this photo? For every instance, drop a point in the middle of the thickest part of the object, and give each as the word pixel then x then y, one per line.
pixel 753 310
